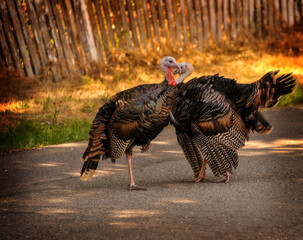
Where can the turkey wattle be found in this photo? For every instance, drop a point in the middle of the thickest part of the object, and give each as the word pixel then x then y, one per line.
pixel 131 117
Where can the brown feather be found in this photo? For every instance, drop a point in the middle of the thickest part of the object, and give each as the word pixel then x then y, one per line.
pixel 125 131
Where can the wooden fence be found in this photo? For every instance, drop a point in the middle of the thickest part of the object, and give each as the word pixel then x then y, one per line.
pixel 62 36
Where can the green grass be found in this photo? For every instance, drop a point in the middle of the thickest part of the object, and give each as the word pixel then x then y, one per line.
pixel 294 98
pixel 31 133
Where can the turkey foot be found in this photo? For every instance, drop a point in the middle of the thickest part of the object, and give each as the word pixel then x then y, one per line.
pixel 195 180
pixel 146 146
pixel 135 187
pixel 224 179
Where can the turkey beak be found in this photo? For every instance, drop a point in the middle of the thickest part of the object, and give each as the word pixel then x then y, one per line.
pixel 178 69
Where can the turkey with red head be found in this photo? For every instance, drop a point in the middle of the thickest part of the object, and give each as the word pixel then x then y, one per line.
pixel 213 117
pixel 131 117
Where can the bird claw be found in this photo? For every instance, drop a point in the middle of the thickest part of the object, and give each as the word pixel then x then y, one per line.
pixel 195 180
pixel 135 187
pixel 225 179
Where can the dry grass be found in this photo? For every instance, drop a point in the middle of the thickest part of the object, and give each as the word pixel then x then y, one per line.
pixel 81 96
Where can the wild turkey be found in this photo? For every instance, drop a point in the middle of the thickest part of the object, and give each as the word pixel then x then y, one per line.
pixel 131 117
pixel 213 117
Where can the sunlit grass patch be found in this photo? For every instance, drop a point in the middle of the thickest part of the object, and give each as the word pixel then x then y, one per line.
pixel 29 133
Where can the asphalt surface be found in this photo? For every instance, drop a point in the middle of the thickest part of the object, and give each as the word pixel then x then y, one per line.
pixel 42 197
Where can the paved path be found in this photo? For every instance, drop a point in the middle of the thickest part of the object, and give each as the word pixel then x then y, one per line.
pixel 42 197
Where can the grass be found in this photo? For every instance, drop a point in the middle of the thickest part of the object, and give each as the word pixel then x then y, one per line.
pixel 29 133
pixel 69 105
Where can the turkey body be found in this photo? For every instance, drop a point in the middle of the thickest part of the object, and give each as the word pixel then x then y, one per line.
pixel 213 117
pixel 132 117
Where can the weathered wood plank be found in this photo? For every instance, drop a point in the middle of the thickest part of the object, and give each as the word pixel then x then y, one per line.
pixel 28 39
pixel 118 27
pixel 270 14
pixel 284 11
pixel 61 31
pixel 5 49
pixel 140 23
pixel 233 19
pixel 239 11
pixel 125 25
pixel 191 21
pixel 94 28
pixel 132 21
pixel 20 39
pixel 245 17
pixel 109 23
pixel 277 14
pixel 183 19
pixel 199 25
pixel 226 17
pixel 251 16
pixel 291 13
pixel 177 24
pixel 37 33
pixel 102 29
pixel 52 59
pixel 205 22
pixel 161 18
pixel 147 23
pixel 219 20
pixel 70 23
pixel 259 20
pixel 264 14
pixel 53 29
pixel 170 21
pixel 81 32
pixel 213 19
pixel 155 20
pixel 88 30
pixel 10 37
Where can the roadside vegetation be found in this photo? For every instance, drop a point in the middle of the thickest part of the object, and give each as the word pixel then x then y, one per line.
pixel 39 112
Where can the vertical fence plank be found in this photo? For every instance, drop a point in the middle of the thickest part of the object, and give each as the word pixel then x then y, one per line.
pixel 226 17
pixel 94 29
pixel 73 31
pixel 102 28
pixel 183 19
pixel 37 33
pixel 270 14
pixel 297 12
pixel 109 23
pixel 264 14
pixel 53 28
pixel 177 24
pixel 212 19
pixel 219 20
pixel 259 20
pixel 88 31
pixel 118 27
pixel 126 26
pixel 155 20
pixel 147 23
pixel 132 23
pixel 284 11
pixel 233 20
pixel 191 19
pixel 5 48
pixel 251 16
pixel 29 42
pixel 62 36
pixel 10 37
pixel 20 39
pixel 140 23
pixel 199 25
pixel 277 14
pixel 205 21
pixel 239 12
pixel 291 13
pixel 161 18
pixel 170 19
pixel 245 17
pixel 47 40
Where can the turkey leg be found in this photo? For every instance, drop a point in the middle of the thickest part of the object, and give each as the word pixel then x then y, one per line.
pixel 201 175
pixel 132 185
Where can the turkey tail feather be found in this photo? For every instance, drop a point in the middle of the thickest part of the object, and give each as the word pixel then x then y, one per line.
pixel 89 168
